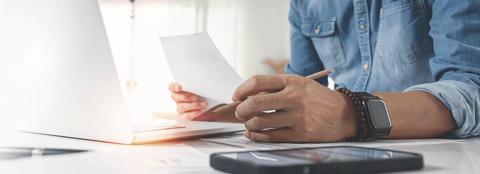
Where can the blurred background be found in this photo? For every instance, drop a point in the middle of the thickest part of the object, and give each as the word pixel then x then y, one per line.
pixel 246 32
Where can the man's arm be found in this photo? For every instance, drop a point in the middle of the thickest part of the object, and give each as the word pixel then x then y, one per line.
pixel 451 105
pixel 417 115
pixel 309 112
pixel 455 29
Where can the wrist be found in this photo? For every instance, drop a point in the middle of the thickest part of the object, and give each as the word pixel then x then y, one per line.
pixel 349 115
pixel 373 119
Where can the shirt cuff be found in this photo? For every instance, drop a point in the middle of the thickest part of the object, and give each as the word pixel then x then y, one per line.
pixel 462 99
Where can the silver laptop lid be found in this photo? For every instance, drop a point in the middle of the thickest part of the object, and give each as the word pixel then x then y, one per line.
pixel 57 71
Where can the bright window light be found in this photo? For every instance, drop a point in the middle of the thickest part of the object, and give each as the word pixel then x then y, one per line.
pixel 246 31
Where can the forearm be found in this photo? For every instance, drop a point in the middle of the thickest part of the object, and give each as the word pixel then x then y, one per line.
pixel 417 115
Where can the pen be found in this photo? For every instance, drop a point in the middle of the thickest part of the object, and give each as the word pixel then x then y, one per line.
pixel 23 152
pixel 320 74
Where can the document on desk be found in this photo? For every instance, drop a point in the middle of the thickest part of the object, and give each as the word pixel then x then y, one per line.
pixel 156 157
pixel 200 68
pixel 238 140
pixel 176 158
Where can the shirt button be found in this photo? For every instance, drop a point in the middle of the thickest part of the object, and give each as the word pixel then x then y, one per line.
pixel 317 29
pixel 365 67
pixel 363 26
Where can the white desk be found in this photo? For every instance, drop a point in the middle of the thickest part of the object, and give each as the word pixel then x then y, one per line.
pixel 191 156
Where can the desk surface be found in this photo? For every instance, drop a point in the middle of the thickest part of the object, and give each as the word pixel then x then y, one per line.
pixel 192 156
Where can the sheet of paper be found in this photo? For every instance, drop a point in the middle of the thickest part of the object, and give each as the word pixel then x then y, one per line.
pixel 238 140
pixel 125 160
pixel 157 157
pixel 200 68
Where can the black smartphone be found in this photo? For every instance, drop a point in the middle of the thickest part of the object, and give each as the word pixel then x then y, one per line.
pixel 338 159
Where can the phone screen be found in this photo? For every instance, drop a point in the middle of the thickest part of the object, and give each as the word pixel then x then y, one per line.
pixel 316 155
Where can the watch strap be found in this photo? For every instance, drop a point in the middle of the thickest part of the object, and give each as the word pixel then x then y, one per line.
pixel 372 132
pixel 362 127
pixel 366 96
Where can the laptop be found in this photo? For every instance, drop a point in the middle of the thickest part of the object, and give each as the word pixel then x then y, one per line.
pixel 58 77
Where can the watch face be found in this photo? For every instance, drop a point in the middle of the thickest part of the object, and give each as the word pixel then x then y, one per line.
pixel 379 114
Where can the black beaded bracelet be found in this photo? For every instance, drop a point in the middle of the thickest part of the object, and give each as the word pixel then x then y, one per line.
pixel 362 130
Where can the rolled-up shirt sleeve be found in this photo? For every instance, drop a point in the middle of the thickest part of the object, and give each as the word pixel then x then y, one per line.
pixel 455 29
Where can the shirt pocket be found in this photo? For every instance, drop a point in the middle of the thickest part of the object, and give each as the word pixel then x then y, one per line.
pixel 404 32
pixel 322 32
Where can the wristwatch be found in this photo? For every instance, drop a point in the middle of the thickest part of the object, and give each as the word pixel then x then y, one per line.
pixel 376 117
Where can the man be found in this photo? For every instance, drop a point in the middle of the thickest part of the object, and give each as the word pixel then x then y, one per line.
pixel 420 57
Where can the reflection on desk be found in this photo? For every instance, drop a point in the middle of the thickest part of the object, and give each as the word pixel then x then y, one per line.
pixel 459 157
pixel 192 156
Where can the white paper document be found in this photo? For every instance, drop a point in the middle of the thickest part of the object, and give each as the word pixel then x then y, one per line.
pixel 239 140
pixel 177 158
pixel 200 68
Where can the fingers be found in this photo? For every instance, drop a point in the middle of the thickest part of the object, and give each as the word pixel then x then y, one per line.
pixel 269 121
pixel 180 96
pixel 192 115
pixel 260 103
pixel 189 106
pixel 258 84
pixel 182 108
pixel 185 97
pixel 175 88
pixel 224 108
pixel 271 136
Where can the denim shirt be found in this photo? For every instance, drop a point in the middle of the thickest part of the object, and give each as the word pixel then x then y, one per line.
pixel 394 46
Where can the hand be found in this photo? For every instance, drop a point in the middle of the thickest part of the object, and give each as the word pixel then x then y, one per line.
pixel 189 106
pixel 305 111
pixel 194 107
